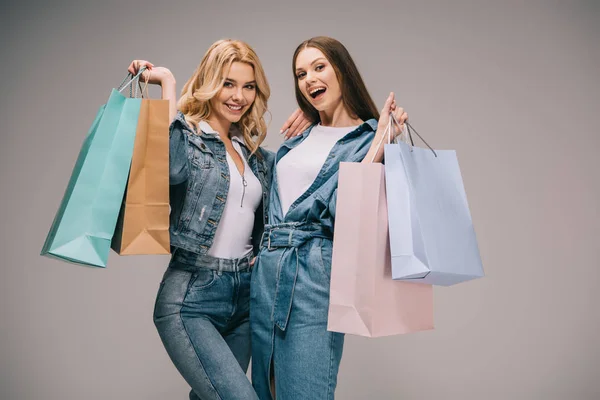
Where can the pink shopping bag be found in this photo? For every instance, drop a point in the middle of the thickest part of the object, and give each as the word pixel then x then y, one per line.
pixel 364 300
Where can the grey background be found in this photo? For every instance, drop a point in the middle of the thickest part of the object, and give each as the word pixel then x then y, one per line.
pixel 512 86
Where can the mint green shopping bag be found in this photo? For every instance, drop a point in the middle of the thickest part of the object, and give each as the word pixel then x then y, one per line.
pixel 85 221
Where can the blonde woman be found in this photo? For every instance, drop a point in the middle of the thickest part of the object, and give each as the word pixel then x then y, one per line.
pixel 219 185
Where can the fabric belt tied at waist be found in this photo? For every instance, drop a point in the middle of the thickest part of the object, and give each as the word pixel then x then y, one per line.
pixel 289 237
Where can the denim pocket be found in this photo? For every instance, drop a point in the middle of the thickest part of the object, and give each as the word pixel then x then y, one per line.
pixel 326 255
pixel 201 279
pixel 200 154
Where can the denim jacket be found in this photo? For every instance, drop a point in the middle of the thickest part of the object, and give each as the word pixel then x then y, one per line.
pixel 199 183
pixel 317 204
pixel 303 238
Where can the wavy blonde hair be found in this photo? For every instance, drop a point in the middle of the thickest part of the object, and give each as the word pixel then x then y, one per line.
pixel 208 79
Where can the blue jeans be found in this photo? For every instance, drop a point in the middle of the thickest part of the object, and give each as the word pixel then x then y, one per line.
pixel 202 317
pixel 289 308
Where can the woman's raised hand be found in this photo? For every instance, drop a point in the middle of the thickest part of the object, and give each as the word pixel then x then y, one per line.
pixel 153 75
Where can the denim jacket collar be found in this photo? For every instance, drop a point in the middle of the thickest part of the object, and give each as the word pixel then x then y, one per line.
pixel 369 125
pixel 234 132
pixel 205 128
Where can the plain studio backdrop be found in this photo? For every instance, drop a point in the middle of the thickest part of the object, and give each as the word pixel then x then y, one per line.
pixel 513 87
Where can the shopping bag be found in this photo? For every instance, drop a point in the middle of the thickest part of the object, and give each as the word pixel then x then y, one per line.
pixel 432 238
pixel 85 222
pixel 143 223
pixel 364 300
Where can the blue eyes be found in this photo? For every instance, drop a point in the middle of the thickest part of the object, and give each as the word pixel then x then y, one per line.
pixel 230 85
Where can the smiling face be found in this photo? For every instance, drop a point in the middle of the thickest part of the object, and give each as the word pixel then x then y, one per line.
pixel 317 80
pixel 237 94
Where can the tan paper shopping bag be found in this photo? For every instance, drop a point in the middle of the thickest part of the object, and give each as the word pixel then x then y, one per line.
pixel 143 225
pixel 364 299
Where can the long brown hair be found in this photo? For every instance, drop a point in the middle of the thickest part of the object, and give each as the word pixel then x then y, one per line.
pixel 355 95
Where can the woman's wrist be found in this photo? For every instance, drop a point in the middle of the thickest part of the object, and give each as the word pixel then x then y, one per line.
pixel 168 81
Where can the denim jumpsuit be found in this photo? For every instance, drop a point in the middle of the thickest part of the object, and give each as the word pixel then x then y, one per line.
pixel 202 305
pixel 289 297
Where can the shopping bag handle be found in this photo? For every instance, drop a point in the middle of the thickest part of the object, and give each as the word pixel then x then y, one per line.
pixel 386 133
pixel 408 128
pixel 135 78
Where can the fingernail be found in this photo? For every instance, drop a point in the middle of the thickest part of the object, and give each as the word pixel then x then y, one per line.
pixel 281 131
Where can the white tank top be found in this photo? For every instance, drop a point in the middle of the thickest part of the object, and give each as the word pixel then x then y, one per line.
pixel 298 169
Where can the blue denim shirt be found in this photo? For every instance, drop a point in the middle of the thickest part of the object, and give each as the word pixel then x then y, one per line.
pixel 317 204
pixel 199 183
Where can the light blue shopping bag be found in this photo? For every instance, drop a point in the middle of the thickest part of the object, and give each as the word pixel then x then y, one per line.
pixel 85 221
pixel 432 239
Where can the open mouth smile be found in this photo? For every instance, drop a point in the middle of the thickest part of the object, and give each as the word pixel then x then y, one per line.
pixel 234 108
pixel 317 92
